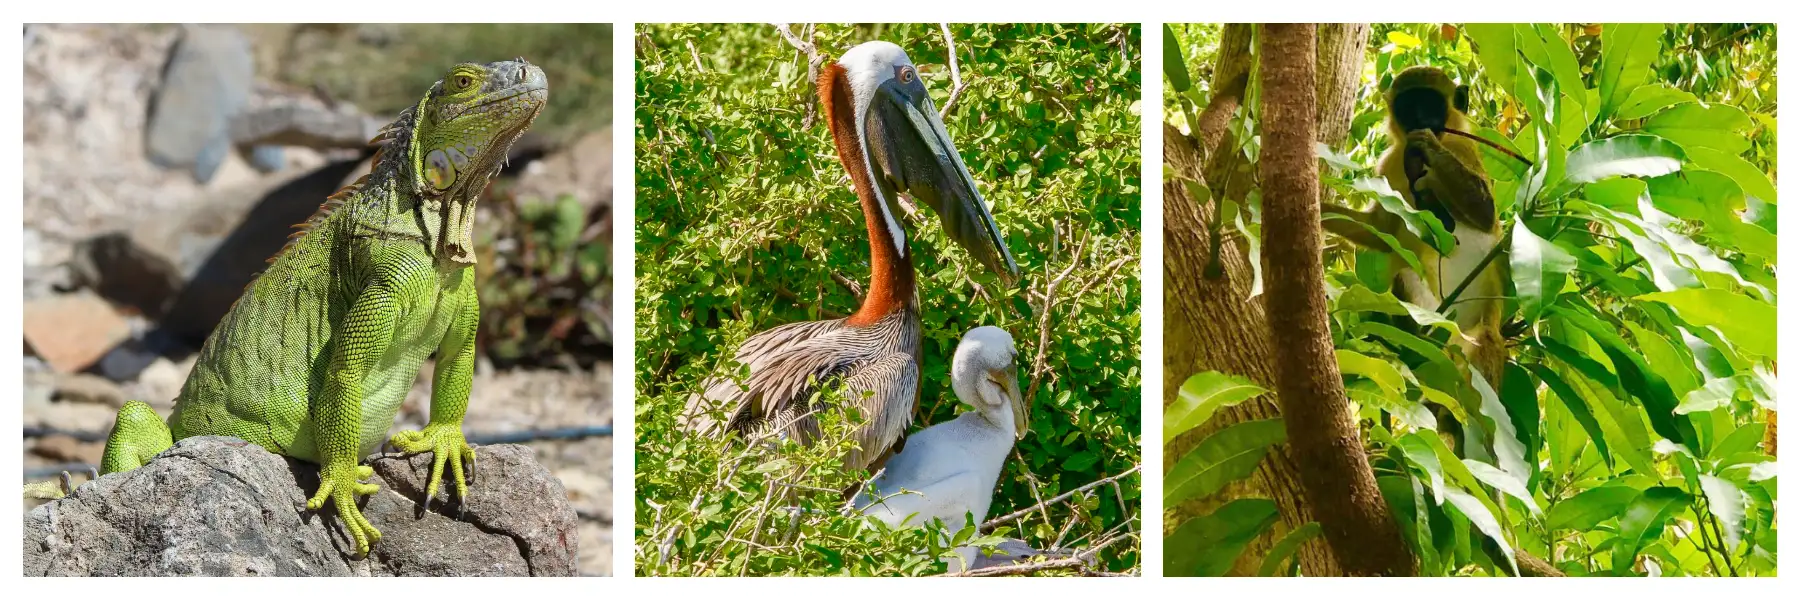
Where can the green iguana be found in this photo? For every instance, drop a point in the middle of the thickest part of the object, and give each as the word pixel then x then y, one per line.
pixel 315 358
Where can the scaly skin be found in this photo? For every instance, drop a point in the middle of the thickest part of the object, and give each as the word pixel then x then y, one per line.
pixel 316 357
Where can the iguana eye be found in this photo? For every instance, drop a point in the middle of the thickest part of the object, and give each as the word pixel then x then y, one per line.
pixel 463 82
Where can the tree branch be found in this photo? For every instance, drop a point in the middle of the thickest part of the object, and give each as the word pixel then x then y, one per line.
pixel 1019 514
pixel 956 81
pixel 1334 468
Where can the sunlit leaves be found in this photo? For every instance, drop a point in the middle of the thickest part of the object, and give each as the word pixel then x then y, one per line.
pixel 1748 323
pixel 1623 156
pixel 1539 269
pixel 1643 522
pixel 1627 51
pixel 1225 456
pixel 1201 396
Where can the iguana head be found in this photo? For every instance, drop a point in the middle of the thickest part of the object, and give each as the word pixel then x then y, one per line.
pixel 460 136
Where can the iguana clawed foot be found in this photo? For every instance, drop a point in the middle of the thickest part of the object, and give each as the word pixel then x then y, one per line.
pixel 58 488
pixel 446 442
pixel 341 484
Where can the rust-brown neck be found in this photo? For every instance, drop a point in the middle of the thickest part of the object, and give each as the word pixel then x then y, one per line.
pixel 891 274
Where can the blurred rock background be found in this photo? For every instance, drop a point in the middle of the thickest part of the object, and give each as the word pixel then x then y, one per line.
pixel 164 164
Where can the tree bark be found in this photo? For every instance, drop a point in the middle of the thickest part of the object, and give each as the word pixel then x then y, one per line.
pixel 1212 324
pixel 1322 432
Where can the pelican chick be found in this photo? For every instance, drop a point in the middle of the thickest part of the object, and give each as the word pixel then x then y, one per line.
pixel 947 471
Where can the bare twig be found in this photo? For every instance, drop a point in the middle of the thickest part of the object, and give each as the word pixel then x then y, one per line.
pixel 814 60
pixel 1049 308
pixel 1078 562
pixel 695 53
pixel 1015 515
pixel 956 80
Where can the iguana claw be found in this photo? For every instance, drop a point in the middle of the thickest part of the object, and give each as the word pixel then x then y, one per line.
pixel 446 442
pixel 341 484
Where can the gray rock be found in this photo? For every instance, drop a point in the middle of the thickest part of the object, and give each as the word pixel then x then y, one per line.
pixel 222 506
pixel 207 80
pixel 294 120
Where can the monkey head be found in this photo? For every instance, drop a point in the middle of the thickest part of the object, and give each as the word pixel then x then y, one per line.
pixel 1424 97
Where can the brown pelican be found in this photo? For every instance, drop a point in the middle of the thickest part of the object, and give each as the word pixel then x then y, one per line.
pixel 891 141
pixel 947 471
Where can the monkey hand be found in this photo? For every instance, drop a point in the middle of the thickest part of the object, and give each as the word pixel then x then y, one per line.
pixel 1424 141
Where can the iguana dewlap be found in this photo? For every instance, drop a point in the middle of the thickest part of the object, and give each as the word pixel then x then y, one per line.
pixel 315 359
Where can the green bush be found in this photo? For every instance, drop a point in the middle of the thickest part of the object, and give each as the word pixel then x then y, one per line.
pixel 745 221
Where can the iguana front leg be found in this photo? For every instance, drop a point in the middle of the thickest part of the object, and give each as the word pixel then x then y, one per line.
pixel 450 385
pixel 361 340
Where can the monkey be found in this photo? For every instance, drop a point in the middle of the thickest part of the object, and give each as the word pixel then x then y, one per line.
pixel 1442 173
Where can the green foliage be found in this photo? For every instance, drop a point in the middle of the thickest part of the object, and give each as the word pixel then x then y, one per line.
pixel 745 221
pixel 546 281
pixel 1628 435
pixel 382 67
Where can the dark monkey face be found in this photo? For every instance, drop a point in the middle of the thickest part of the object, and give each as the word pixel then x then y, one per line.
pixel 1421 108
pixel 1422 98
pixel 1425 98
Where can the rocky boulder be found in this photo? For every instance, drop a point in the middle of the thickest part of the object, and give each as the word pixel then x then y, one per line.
pixel 223 506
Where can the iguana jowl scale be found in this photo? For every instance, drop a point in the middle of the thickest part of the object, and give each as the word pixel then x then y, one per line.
pixel 314 360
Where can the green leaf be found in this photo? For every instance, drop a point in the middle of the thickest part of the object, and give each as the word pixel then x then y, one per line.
pixel 1726 502
pixel 1419 450
pixel 1174 64
pixel 1590 508
pixel 1503 481
pixel 1619 193
pixel 1637 378
pixel 1518 391
pixel 1379 371
pixel 1632 155
pixel 1666 359
pixel 1695 125
pixel 1285 549
pixel 1406 499
pixel 1225 456
pixel 1643 523
pixel 1425 349
pixel 1481 514
pixel 1751 178
pixel 1576 405
pixel 1539 270
pixel 1394 246
pixel 1748 323
pixel 1422 224
pixel 1627 51
pixel 1649 98
pixel 1207 546
pixel 1545 47
pixel 1497 49
pixel 1201 396
pixel 1509 450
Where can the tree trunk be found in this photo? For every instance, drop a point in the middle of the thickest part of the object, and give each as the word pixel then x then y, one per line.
pixel 1322 432
pixel 1212 323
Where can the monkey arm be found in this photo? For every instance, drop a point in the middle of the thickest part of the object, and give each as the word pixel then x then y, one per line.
pixel 1454 177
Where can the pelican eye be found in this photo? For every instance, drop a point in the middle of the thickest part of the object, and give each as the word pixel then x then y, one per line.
pixel 906 75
